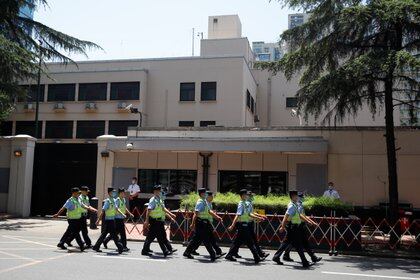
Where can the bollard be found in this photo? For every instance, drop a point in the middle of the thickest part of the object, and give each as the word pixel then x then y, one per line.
pixel 93 216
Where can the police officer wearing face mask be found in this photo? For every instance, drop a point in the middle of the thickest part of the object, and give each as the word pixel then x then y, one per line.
pixel 110 210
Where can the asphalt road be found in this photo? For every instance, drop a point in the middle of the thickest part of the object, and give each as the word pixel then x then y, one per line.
pixel 28 251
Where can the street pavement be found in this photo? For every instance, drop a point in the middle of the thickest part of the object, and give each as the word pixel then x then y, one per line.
pixel 28 251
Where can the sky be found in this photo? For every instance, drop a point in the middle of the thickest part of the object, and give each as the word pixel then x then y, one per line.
pixel 156 28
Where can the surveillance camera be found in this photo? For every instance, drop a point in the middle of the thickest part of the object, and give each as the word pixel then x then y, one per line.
pixel 129 107
pixel 130 146
pixel 293 113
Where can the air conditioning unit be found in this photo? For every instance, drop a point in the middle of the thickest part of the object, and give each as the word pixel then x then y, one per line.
pixel 91 106
pixel 29 107
pixel 122 105
pixel 59 106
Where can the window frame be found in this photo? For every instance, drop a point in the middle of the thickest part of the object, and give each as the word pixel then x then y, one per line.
pixel 289 102
pixel 91 122
pixel 205 89
pixel 191 123
pixel 207 123
pixel 114 95
pixel 101 98
pixel 181 99
pixel 55 99
pixel 54 128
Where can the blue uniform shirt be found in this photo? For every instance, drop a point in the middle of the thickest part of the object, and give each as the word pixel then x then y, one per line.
pixel 107 205
pixel 200 206
pixel 301 208
pixel 241 208
pixel 291 209
pixel 249 206
pixel 69 205
pixel 154 201
pixel 118 203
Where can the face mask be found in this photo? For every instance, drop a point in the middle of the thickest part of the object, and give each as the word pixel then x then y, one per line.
pixel 114 194
pixel 330 187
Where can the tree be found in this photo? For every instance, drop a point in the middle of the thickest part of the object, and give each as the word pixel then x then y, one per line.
pixel 22 39
pixel 352 54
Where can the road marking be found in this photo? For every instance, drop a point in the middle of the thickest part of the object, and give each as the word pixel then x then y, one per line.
pixel 370 275
pixel 28 241
pixel 16 256
pixel 129 258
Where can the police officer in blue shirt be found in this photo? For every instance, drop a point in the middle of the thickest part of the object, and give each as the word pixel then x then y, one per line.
pixel 155 224
pixel 74 213
pixel 304 236
pixel 292 220
pixel 241 222
pixel 202 225
pixel 109 209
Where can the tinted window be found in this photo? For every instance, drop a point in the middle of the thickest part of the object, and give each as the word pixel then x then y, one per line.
pixel 186 123
pixel 30 92
pixel 6 128
pixel 28 128
pixel 187 92
pixel 90 129
pixel 92 92
pixel 120 128
pixel 125 91
pixel 208 91
pixel 59 129
pixel 61 92
pixel 173 181
pixel 207 123
pixel 291 102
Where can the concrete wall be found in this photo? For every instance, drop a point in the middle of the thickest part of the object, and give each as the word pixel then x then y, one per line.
pixel 225 26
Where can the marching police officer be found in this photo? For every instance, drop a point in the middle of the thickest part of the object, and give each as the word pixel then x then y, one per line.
pixel 110 210
pixel 155 224
pixel 74 213
pixel 250 205
pixel 304 237
pixel 121 205
pixel 292 219
pixel 243 236
pixel 202 223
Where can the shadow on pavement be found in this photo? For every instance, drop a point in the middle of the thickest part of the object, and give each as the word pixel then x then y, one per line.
pixel 371 263
pixel 16 226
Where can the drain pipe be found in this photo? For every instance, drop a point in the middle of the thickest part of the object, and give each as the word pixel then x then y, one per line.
pixel 206 165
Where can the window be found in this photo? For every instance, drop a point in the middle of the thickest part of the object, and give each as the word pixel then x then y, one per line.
pixel 173 181
pixel 92 92
pixel 28 128
pixel 125 91
pixel 90 129
pixel 59 129
pixel 61 92
pixel 30 92
pixel 291 102
pixel 6 128
pixel 187 92
pixel 248 99
pixel 207 123
pixel 186 123
pixel 256 181
pixel 208 91
pixel 120 128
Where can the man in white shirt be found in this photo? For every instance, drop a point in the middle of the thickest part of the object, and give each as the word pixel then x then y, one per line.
pixel 134 191
pixel 331 192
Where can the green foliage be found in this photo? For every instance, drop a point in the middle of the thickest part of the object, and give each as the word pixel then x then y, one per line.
pixel 270 203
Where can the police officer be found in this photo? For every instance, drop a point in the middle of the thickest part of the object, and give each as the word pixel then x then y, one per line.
pixel 304 237
pixel 74 213
pixel 155 224
pixel 202 225
pixel 292 220
pixel 243 236
pixel 110 210
pixel 121 205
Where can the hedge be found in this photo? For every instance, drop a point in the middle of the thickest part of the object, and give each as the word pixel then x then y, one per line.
pixel 272 204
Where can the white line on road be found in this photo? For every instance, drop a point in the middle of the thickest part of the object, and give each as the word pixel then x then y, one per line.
pixel 370 275
pixel 17 256
pixel 33 263
pixel 28 241
pixel 128 258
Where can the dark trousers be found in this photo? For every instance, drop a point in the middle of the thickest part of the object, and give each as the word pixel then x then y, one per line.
pixel 293 238
pixel 254 239
pixel 109 228
pixel 243 236
pixel 203 234
pixel 120 229
pixel 72 232
pixel 157 230
pixel 135 203
pixel 305 243
pixel 84 230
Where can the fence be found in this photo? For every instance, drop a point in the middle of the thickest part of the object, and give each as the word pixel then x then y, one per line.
pixel 331 233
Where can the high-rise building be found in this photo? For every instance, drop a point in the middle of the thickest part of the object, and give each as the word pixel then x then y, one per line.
pixel 266 51
pixel 27 11
pixel 297 19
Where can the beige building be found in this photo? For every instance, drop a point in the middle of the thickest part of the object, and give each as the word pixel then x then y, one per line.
pixel 212 120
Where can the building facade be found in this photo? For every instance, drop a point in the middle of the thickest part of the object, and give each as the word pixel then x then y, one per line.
pixel 266 51
pixel 212 121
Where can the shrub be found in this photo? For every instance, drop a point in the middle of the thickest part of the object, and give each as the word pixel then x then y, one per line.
pixel 271 204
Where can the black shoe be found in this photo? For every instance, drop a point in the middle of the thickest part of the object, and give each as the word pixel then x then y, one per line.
pixel 263 257
pixel 120 249
pixel 221 254
pixel 237 256
pixel 288 259
pixel 125 249
pixel 146 253
pixel 82 247
pixel 105 243
pixel 230 258
pixel 277 260
pixel 316 259
pixel 306 264
pixel 61 246
pixel 188 256
pixel 173 251
pixel 166 253
pixel 69 244
pixel 96 249
pixel 88 246
pixel 195 253
pixel 257 260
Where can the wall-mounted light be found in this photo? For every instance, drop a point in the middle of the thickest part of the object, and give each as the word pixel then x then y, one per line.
pixel 104 154
pixel 18 153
